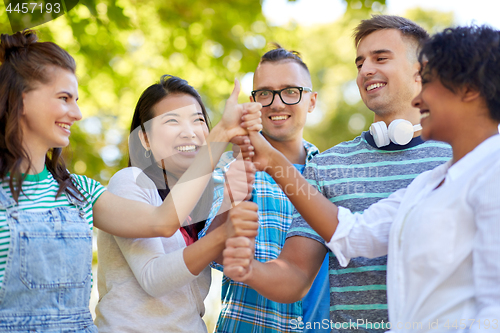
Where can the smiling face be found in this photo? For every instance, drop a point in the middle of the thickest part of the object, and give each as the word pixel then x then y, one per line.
pixel 441 110
pixel 49 110
pixel 283 122
pixel 387 72
pixel 176 132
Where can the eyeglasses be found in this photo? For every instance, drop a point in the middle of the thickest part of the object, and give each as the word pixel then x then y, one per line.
pixel 289 95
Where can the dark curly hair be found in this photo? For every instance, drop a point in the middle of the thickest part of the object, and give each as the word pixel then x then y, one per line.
pixel 466 57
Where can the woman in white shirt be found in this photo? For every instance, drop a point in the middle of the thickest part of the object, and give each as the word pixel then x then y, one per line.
pixel 442 233
pixel 159 284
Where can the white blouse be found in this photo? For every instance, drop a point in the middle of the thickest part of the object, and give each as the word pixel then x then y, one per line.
pixel 443 245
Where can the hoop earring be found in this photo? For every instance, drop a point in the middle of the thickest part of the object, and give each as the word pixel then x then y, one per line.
pixel 146 155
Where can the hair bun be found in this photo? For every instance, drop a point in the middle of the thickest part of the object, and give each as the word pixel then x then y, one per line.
pixel 14 42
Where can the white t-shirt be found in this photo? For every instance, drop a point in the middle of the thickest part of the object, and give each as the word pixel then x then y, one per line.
pixel 143 283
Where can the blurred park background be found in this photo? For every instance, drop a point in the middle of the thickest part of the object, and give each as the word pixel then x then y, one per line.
pixel 123 46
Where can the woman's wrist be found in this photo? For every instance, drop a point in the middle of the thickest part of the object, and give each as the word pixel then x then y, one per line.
pixel 221 235
pixel 276 162
pixel 219 134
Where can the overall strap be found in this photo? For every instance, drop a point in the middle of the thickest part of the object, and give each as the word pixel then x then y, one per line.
pixel 80 203
pixel 6 202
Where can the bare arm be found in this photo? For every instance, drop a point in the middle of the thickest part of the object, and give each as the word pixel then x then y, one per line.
pixel 124 218
pixel 285 279
pixel 161 265
pixel 159 272
pixel 242 223
pixel 318 211
pixel 365 235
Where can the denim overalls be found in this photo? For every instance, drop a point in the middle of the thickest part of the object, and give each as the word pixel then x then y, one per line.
pixel 47 282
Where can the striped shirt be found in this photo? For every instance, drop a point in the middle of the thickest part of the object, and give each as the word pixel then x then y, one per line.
pixel 39 195
pixel 355 175
pixel 243 309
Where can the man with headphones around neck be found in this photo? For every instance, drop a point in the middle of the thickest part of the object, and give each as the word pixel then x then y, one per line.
pixel 356 174
pixel 381 57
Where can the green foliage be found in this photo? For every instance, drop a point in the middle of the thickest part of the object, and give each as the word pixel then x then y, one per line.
pixel 431 20
pixel 123 46
pixel 360 7
pixel 23 14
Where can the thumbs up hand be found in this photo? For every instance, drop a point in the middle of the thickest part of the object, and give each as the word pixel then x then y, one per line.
pixel 238 119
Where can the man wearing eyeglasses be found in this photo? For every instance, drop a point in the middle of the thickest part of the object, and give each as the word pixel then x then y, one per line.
pixel 354 175
pixel 282 84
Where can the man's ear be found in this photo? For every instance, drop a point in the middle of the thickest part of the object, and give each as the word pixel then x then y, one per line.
pixel 312 105
pixel 144 139
pixel 251 98
pixel 416 68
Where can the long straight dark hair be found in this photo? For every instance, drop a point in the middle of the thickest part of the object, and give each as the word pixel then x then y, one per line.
pixel 144 112
pixel 25 62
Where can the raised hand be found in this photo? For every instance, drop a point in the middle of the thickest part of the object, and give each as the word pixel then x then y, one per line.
pixel 238 119
pixel 237 258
